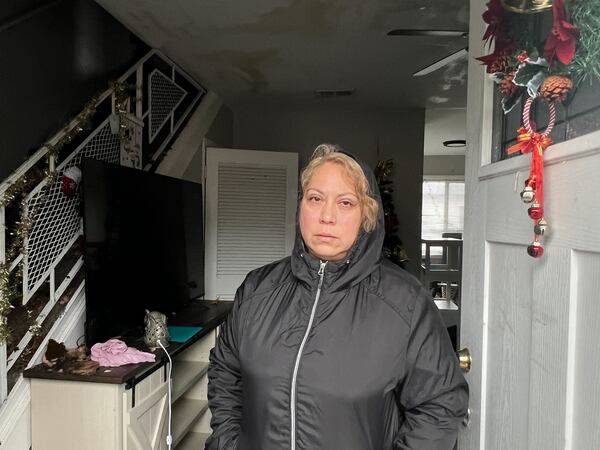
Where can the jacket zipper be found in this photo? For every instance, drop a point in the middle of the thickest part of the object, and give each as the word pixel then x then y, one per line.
pixel 299 357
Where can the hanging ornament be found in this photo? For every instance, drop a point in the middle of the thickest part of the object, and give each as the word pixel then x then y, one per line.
pixel 70 181
pixel 530 141
pixel 535 250
pixel 536 212
pixel 527 194
pixel 540 228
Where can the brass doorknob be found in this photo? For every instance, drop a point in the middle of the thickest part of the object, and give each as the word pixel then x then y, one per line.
pixel 464 359
pixel 467 419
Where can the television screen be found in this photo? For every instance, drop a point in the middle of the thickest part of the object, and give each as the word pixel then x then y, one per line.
pixel 144 247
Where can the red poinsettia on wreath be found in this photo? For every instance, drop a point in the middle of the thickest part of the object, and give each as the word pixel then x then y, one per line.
pixel 562 40
pixel 494 17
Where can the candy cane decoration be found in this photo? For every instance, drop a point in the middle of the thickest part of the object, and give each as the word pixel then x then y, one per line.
pixel 526 115
pixel 530 141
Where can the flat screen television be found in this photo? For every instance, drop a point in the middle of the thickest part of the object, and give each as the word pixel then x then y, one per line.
pixel 144 247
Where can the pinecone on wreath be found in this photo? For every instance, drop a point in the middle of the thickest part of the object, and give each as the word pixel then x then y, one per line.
pixel 506 86
pixel 555 88
pixel 500 64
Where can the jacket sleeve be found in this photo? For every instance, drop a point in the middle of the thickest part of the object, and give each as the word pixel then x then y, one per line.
pixel 225 384
pixel 434 394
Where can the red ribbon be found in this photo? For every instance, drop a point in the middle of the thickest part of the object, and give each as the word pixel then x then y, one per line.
pixel 527 141
pixel 534 143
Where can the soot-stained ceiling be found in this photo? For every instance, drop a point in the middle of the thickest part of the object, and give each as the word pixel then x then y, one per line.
pixel 281 51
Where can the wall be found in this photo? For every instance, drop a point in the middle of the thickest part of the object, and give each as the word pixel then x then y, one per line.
pixel 444 165
pixel 221 130
pixel 54 55
pixel 444 124
pixel 220 134
pixel 369 134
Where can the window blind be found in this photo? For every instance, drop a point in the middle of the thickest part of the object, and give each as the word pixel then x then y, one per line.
pixel 251 218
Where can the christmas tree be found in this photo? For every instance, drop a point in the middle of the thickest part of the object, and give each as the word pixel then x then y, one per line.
pixel 392 245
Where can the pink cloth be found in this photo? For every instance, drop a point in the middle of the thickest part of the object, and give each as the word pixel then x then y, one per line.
pixel 114 352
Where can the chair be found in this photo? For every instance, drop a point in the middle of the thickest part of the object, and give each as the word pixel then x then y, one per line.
pixel 446 268
pixel 444 271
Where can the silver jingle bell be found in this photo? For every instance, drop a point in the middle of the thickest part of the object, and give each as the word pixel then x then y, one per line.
pixel 540 228
pixel 527 194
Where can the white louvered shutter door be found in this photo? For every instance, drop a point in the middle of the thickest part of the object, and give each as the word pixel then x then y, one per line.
pixel 250 214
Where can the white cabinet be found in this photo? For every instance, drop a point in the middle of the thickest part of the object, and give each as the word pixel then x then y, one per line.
pixel 191 417
pixel 77 415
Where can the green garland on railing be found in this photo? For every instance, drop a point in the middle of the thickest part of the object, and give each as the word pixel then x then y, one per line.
pixel 21 187
pixel 7 289
pixel 121 93
pixel 6 306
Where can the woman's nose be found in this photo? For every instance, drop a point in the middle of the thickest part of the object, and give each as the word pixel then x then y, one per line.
pixel 328 213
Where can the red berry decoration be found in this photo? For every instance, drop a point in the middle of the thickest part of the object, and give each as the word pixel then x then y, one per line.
pixel 535 250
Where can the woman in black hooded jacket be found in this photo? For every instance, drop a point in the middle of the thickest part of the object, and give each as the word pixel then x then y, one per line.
pixel 333 347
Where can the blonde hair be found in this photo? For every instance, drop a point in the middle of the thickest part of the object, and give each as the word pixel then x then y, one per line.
pixel 332 153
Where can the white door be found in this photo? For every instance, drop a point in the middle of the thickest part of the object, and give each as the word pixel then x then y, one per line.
pixel 250 214
pixel 532 325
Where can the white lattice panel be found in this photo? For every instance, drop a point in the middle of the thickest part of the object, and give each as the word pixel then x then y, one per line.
pixel 102 145
pixel 58 220
pixel 164 95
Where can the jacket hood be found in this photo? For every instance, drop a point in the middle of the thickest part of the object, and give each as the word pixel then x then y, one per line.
pixel 363 257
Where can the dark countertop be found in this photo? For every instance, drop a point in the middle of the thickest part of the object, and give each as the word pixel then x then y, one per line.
pixel 206 314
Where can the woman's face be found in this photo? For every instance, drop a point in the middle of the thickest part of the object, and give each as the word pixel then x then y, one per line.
pixel 330 214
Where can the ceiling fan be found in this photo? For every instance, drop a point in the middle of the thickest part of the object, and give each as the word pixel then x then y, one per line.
pixel 435 33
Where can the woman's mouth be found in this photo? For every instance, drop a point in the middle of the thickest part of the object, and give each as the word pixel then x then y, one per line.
pixel 326 236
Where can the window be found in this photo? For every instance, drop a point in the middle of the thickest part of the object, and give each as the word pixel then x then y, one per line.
pixel 443 207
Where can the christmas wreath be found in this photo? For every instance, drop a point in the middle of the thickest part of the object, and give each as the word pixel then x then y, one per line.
pixel 524 67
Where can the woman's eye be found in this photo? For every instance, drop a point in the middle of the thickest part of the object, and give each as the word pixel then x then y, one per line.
pixel 347 203
pixel 314 199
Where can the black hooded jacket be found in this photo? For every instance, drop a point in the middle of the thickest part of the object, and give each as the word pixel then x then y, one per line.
pixel 347 355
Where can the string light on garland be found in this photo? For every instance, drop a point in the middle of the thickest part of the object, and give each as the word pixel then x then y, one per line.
pixel 20 188
pixel 525 68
